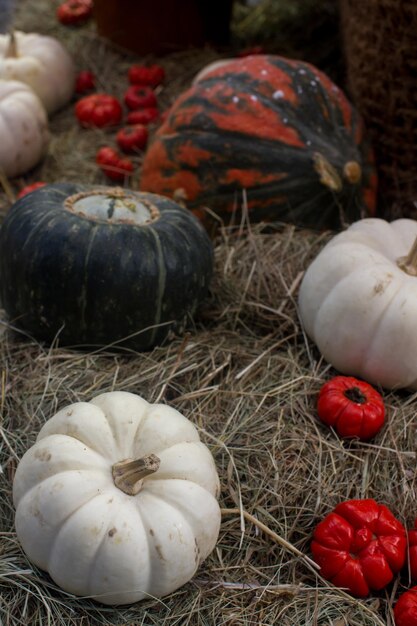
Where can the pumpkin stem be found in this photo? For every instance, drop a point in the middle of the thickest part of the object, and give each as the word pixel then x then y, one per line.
pixel 355 395
pixel 128 475
pixel 11 50
pixel 409 263
pixel 328 174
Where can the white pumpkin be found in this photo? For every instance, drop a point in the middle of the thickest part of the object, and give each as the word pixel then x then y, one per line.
pixel 119 544
pixel 358 302
pixel 42 63
pixel 23 128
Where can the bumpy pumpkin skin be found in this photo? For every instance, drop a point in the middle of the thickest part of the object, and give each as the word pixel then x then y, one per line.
pixel 281 130
pixel 93 538
pixel 98 280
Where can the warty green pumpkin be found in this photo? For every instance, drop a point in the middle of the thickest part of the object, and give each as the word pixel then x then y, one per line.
pixel 99 266
pixel 279 129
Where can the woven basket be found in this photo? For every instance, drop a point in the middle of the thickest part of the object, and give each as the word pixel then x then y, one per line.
pixel 380 42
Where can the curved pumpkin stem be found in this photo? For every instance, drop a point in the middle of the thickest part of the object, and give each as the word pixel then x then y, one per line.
pixel 11 50
pixel 128 475
pixel 409 263
pixel 327 173
pixel 329 176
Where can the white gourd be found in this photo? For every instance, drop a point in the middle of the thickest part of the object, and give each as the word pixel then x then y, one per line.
pixel 23 128
pixel 358 302
pixel 108 527
pixel 41 62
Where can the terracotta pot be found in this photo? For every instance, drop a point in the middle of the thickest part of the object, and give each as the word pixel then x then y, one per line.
pixel 160 26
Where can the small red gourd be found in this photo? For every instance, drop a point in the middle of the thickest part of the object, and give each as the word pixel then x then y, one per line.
pixel 84 82
pixel 74 12
pixel 278 129
pixel 132 138
pixel 143 116
pixel 112 164
pixel 359 546
pixel 412 551
pixel 140 97
pixel 352 407
pixel 29 188
pixel 151 75
pixel 405 611
pixel 98 110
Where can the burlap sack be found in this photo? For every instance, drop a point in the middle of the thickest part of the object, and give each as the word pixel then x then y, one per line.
pixel 380 42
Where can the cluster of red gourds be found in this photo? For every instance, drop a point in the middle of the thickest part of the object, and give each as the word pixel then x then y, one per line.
pixel 102 110
pixel 361 545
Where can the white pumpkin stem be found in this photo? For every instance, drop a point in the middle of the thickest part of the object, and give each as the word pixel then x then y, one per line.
pixel 128 475
pixel 409 263
pixel 11 50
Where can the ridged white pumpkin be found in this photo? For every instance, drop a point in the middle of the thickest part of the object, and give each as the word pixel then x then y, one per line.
pixel 23 128
pixel 117 544
pixel 41 62
pixel 358 302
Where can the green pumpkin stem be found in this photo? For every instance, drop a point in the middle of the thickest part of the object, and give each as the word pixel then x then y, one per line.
pixel 11 50
pixel 409 263
pixel 128 475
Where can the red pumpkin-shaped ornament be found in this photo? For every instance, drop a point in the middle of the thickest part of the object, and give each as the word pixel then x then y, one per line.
pixel 132 138
pixel 405 611
pixel 143 116
pixel 85 81
pixel 112 164
pixel 99 110
pixel 74 12
pixel 352 407
pixel 151 75
pixel 140 97
pixel 360 546
pixel 412 552
pixel 276 128
pixel 29 188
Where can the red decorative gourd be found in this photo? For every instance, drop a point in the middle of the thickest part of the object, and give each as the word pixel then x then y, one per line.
pixel 359 546
pixel 412 552
pixel 352 407
pixel 281 130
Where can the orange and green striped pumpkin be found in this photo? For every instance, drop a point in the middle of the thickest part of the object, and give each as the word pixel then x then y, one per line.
pixel 279 129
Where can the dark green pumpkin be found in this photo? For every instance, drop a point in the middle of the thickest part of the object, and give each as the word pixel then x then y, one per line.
pixel 98 266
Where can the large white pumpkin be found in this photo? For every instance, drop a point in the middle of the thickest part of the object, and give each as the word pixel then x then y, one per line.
pixel 41 62
pixel 118 544
pixel 358 302
pixel 23 128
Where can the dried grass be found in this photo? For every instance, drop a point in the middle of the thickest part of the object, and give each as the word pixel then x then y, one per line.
pixel 247 377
